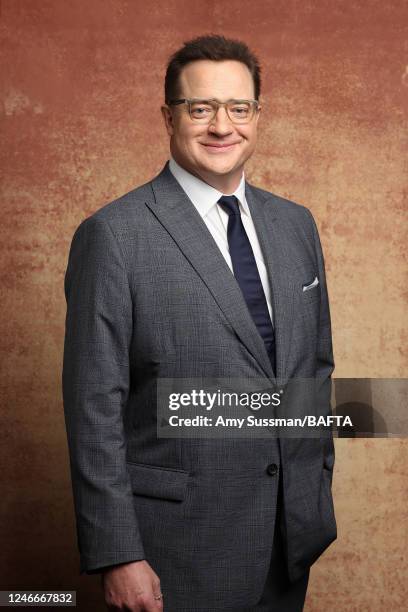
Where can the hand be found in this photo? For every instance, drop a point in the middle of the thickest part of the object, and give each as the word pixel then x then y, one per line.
pixel 132 587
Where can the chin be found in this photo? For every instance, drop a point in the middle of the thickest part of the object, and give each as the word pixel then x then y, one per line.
pixel 220 167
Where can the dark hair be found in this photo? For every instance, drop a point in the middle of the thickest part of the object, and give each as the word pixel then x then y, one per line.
pixel 210 47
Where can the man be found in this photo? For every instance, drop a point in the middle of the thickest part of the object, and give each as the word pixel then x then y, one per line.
pixel 197 274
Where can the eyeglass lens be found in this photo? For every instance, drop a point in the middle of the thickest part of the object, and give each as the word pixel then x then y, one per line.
pixel 203 111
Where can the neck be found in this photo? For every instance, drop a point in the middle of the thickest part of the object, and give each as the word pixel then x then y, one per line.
pixel 227 184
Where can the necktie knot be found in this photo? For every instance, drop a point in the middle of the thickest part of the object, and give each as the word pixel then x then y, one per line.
pixel 229 204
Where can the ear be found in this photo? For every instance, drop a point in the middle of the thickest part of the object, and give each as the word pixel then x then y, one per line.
pixel 168 119
pixel 258 112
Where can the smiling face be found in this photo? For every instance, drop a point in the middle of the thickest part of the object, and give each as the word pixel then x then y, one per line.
pixel 215 152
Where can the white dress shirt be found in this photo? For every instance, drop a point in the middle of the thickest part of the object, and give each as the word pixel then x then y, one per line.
pixel 205 198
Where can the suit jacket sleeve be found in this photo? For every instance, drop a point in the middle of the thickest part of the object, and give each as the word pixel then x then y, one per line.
pixel 95 390
pixel 325 360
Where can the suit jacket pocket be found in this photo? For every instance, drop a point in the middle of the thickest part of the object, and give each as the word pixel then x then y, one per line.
pixel 311 295
pixel 305 276
pixel 157 481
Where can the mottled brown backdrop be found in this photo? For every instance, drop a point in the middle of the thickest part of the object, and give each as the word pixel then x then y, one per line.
pixel 82 87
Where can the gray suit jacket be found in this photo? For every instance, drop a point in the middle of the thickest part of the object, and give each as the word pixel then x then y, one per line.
pixel 149 295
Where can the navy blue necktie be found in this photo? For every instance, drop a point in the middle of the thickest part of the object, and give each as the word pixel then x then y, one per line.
pixel 247 275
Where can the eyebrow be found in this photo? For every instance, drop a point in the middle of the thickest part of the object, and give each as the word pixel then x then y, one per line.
pixel 221 101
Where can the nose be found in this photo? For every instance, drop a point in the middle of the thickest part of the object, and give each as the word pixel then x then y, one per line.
pixel 221 124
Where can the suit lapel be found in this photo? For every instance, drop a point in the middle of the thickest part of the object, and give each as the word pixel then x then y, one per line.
pixel 271 235
pixel 178 215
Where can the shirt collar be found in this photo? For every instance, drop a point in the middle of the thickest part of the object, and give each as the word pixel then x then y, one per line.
pixel 203 196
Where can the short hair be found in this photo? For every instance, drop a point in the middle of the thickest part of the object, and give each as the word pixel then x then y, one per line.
pixel 210 47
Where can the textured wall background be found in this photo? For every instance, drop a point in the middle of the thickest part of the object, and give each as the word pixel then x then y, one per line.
pixel 82 86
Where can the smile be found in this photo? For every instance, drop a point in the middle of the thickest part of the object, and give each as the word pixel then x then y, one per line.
pixel 218 147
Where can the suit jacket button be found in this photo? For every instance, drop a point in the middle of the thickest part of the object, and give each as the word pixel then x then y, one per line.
pixel 272 469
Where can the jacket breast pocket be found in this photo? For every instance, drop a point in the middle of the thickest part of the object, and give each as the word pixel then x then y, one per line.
pixel 157 481
pixel 309 288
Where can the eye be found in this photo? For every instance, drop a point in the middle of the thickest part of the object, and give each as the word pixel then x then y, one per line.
pixel 240 110
pixel 200 110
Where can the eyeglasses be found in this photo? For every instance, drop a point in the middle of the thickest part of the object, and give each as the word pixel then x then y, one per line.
pixel 204 111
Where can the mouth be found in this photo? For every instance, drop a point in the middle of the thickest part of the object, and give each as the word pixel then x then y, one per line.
pixel 218 147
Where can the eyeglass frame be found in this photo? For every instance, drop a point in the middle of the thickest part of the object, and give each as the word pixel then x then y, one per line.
pixel 188 101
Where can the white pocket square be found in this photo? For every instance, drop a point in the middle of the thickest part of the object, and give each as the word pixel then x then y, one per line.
pixel 312 285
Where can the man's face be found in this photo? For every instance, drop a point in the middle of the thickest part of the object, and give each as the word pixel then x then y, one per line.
pixel 219 149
